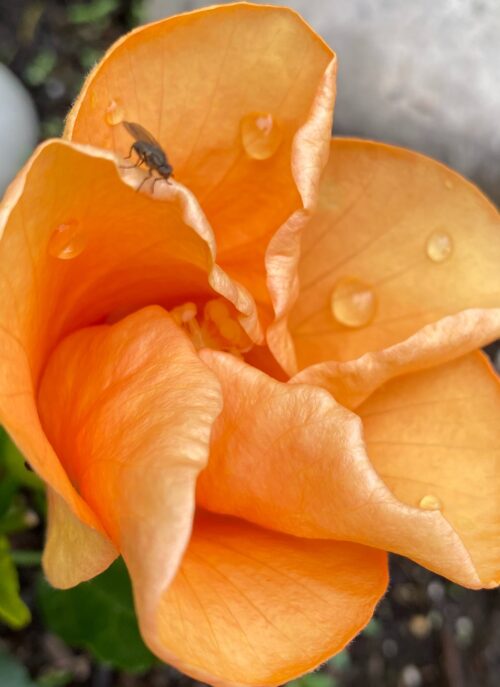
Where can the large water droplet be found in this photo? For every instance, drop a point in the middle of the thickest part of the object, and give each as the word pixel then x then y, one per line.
pixel 353 302
pixel 439 246
pixel 67 241
pixel 261 135
pixel 115 113
pixel 430 502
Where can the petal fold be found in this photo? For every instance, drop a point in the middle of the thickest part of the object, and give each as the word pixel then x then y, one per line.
pixel 73 552
pixel 353 381
pixel 434 438
pixel 129 410
pixel 255 607
pixel 290 458
pixel 79 246
pixel 197 81
pixel 398 242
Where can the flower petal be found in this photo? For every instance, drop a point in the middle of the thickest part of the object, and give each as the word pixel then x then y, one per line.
pixel 191 80
pixel 353 381
pixel 129 410
pixel 73 551
pixel 419 241
pixel 255 607
pixel 317 479
pixel 436 434
pixel 134 252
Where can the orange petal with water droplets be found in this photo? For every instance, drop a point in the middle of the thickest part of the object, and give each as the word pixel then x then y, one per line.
pixel 434 438
pixel 136 252
pixel 254 607
pixel 129 410
pixel 192 80
pixel 317 479
pixel 379 208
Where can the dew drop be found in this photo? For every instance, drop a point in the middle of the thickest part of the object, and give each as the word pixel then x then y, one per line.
pixel 430 502
pixel 439 246
pixel 353 302
pixel 67 241
pixel 115 113
pixel 261 135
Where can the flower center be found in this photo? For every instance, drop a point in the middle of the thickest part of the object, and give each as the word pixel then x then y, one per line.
pixel 215 327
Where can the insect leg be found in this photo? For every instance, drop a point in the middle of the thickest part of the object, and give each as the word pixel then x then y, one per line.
pixel 137 164
pixel 144 180
pixel 129 152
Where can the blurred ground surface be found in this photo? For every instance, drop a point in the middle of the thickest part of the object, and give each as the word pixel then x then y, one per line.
pixel 427 632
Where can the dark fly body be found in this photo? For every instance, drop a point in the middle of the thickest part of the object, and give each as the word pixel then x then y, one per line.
pixel 149 151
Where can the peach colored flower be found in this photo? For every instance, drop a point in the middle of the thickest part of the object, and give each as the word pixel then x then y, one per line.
pixel 181 365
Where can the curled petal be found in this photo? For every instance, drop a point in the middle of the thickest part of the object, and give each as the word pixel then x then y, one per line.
pixel 80 246
pixel 241 98
pixel 317 479
pixel 73 552
pixel 353 381
pixel 129 410
pixel 434 438
pixel 254 607
pixel 398 242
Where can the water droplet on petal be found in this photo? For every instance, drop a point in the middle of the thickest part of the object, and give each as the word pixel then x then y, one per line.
pixel 67 241
pixel 115 113
pixel 353 302
pixel 439 246
pixel 430 502
pixel 261 135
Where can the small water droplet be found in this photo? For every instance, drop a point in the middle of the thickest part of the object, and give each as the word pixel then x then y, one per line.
pixel 353 302
pixel 261 135
pixel 439 246
pixel 448 183
pixel 115 113
pixel 67 241
pixel 430 502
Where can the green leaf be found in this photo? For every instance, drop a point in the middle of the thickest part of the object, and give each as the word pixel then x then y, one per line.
pixel 13 673
pixel 13 610
pixel 98 616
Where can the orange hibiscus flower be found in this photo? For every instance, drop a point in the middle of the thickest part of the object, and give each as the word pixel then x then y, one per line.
pixel 181 365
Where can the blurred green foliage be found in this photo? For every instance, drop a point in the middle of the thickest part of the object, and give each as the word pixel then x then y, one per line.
pixel 15 516
pixel 91 12
pixel 13 611
pixel 98 616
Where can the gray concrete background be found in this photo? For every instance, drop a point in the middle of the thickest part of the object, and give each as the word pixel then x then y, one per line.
pixel 420 73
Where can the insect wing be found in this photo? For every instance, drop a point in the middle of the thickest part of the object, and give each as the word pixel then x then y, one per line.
pixel 141 134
